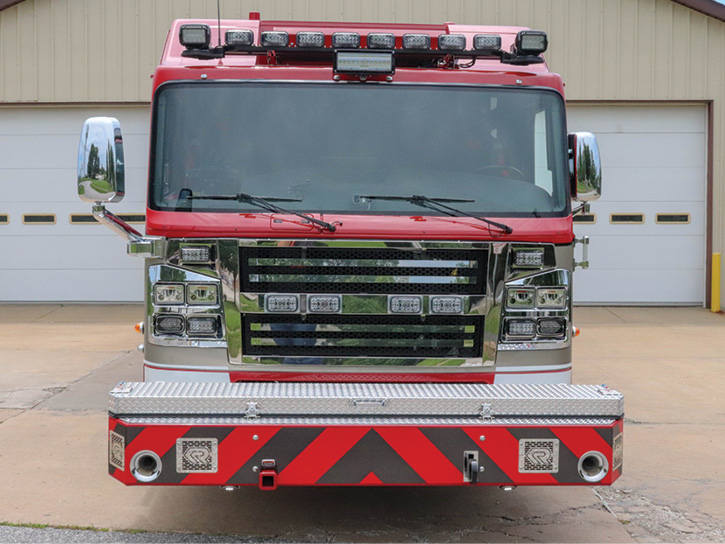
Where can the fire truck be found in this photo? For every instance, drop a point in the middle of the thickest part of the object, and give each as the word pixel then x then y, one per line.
pixel 358 253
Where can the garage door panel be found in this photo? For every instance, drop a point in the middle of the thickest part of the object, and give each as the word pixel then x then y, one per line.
pixel 44 120
pixel 24 152
pixel 62 212
pixel 64 285
pixel 652 184
pixel 639 286
pixel 68 252
pixel 658 150
pixel 31 185
pixel 645 253
pixel 650 210
pixel 636 119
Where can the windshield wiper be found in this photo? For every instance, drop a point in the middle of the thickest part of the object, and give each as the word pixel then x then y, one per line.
pixel 437 205
pixel 265 202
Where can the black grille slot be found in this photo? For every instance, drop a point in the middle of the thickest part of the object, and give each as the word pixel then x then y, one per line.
pixel 362 336
pixel 362 270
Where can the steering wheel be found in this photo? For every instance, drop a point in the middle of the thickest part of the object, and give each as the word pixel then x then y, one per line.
pixel 503 168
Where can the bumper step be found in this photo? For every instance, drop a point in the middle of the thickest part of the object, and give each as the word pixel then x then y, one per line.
pixel 371 399
pixel 287 434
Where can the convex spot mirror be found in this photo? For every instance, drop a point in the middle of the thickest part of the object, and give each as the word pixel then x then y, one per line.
pixel 100 161
pixel 585 167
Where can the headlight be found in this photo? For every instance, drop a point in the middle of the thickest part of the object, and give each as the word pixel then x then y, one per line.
pixel 166 294
pixel 551 298
pixel 201 294
pixel 520 298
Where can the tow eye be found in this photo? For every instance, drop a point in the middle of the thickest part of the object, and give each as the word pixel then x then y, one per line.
pixel 470 467
pixel 268 475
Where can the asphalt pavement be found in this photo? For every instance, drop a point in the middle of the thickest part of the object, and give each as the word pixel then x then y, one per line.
pixel 58 363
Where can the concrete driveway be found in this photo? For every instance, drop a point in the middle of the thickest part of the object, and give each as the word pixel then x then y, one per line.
pixel 58 363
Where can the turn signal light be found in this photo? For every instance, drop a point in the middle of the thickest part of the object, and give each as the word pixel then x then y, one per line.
pixel 139 327
pixel 577 331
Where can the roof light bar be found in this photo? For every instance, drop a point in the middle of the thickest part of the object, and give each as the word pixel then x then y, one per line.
pixel 531 42
pixel 239 37
pixel 381 41
pixel 452 42
pixel 274 38
pixel 346 39
pixel 416 41
pixel 310 39
pixel 195 36
pixel 487 43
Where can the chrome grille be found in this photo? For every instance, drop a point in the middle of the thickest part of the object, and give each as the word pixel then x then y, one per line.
pixel 362 270
pixel 362 336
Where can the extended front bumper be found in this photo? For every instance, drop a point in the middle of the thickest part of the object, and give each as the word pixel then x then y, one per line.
pixel 271 434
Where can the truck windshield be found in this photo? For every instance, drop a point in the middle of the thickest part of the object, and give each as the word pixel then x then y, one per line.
pixel 326 143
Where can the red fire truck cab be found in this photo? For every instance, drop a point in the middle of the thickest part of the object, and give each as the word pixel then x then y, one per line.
pixel 359 256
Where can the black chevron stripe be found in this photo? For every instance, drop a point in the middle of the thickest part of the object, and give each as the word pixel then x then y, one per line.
pixel 371 454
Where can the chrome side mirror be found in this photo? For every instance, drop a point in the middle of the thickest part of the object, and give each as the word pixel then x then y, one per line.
pixel 585 167
pixel 100 161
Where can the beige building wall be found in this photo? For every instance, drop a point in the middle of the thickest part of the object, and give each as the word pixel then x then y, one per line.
pixel 56 51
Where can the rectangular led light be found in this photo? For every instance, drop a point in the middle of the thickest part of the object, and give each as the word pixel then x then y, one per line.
pixel 346 39
pixel 282 303
pixel 169 324
pixel 310 39
pixel 324 304
pixel 202 325
pixel 377 40
pixel 529 258
pixel 274 38
pixel 416 41
pixel 194 36
pixel 446 305
pixel 521 328
pixel 201 294
pixel 364 62
pixel 239 37
pixel 168 294
pixel 520 298
pixel 551 298
pixel 196 254
pixel 452 42
pixel 487 42
pixel 405 304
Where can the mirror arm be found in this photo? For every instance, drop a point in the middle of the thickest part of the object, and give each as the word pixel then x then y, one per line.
pixel 582 208
pixel 136 243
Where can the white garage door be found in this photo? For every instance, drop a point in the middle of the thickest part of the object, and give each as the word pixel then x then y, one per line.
pixel 44 255
pixel 648 230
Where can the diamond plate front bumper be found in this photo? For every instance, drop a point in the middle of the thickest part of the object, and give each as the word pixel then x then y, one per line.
pixel 364 434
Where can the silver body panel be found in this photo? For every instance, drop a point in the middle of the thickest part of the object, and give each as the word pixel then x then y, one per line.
pixel 364 399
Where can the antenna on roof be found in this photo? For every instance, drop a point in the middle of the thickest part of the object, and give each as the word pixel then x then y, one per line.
pixel 219 21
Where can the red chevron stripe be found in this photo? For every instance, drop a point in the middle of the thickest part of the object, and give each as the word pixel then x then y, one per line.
pixel 319 457
pixel 422 456
pixel 234 451
pixel 503 449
